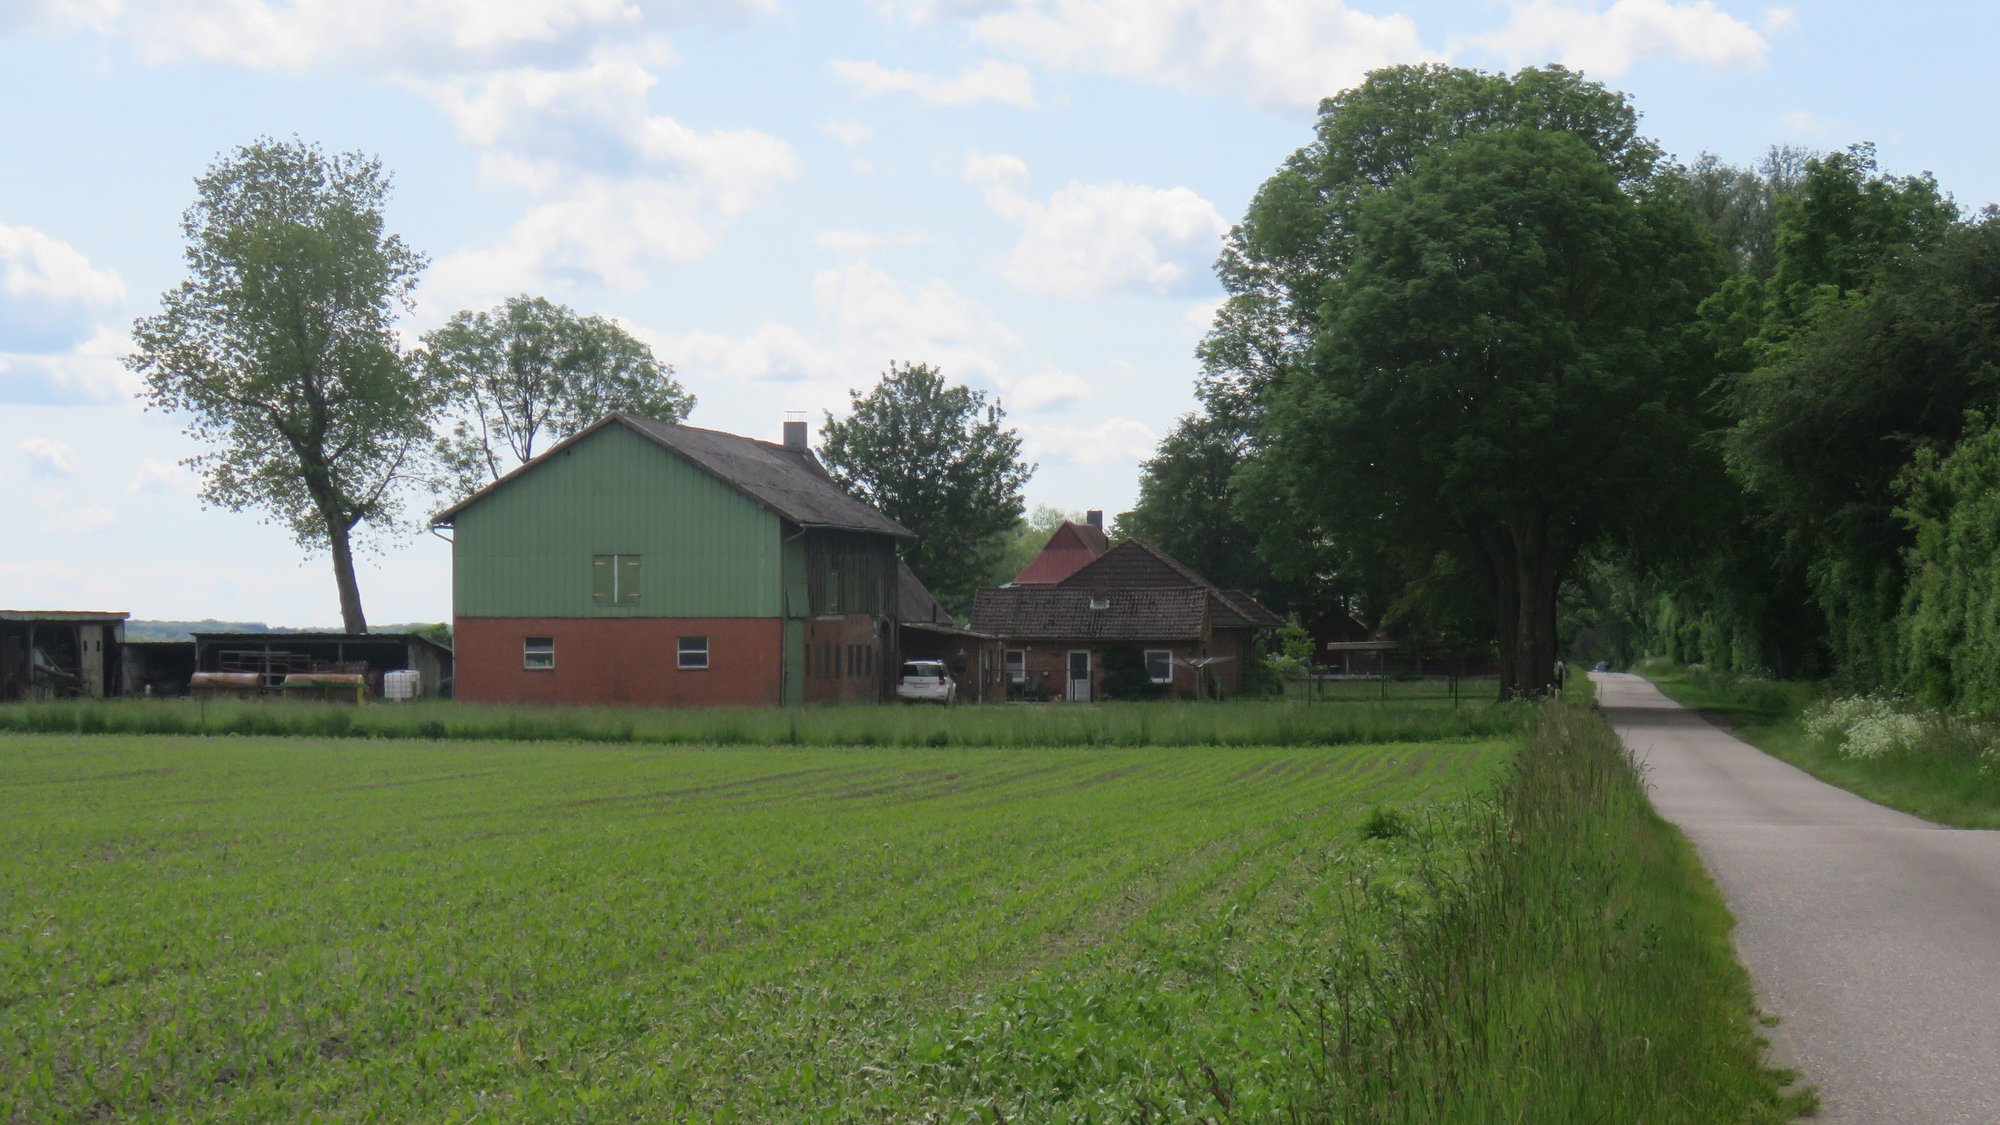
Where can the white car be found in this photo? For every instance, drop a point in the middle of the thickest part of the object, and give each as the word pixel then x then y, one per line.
pixel 925 681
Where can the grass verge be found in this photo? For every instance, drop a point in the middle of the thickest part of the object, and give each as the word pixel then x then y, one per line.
pixel 1579 969
pixel 1946 774
pixel 1164 724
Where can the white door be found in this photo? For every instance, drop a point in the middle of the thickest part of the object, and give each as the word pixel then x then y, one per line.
pixel 1079 676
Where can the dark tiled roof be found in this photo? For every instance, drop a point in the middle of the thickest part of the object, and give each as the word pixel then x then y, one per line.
pixel 1071 547
pixel 915 604
pixel 1250 610
pixel 1062 612
pixel 791 483
pixel 1136 563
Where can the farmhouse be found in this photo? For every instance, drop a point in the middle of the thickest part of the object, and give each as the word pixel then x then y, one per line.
pixel 1134 601
pixel 641 562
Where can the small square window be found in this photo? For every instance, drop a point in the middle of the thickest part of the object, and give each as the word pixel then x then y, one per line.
pixel 538 653
pixel 1160 665
pixel 694 652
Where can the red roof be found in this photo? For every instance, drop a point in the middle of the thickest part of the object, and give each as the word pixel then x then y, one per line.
pixel 1070 549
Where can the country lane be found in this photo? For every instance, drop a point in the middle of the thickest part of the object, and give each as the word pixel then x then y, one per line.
pixel 1873 935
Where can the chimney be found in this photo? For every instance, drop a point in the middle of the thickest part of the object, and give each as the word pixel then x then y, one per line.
pixel 1095 518
pixel 795 432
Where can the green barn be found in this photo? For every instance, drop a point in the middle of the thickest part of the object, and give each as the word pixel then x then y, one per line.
pixel 645 563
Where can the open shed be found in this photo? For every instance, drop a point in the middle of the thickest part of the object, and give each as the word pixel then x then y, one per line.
pixel 50 654
pixel 277 655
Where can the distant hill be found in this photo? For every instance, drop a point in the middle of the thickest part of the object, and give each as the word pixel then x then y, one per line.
pixel 185 630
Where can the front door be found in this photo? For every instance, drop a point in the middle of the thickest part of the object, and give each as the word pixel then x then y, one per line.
pixel 1079 676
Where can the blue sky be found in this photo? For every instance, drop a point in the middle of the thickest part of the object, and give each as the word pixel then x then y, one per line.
pixel 781 198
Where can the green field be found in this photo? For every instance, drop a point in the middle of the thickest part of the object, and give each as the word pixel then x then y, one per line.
pixel 283 929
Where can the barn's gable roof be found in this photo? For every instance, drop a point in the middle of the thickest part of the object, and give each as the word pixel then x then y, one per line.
pixel 789 482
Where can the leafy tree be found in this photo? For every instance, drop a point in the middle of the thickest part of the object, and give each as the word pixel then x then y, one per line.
pixel 1950 620
pixel 1494 367
pixel 1841 408
pixel 935 458
pixel 531 371
pixel 279 347
pixel 1481 303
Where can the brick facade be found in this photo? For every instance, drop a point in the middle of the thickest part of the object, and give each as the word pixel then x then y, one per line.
pixel 628 661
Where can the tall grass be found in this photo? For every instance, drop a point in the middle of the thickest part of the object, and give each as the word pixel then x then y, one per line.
pixel 1103 724
pixel 1578 970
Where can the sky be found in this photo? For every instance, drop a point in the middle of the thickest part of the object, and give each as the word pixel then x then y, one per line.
pixel 782 198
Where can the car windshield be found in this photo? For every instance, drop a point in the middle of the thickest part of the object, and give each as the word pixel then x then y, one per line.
pixel 920 670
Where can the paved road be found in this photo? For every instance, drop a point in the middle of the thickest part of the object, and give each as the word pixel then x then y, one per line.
pixel 1873 935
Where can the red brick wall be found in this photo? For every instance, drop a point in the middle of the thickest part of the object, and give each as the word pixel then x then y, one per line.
pixel 627 660
pixel 1048 662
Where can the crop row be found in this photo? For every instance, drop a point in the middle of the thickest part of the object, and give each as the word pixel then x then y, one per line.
pixel 278 929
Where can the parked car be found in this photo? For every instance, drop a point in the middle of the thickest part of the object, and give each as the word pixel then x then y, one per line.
pixel 925 681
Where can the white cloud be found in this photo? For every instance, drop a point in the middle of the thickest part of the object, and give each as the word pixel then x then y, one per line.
pixel 857 242
pixel 1611 41
pixel 48 457
pixel 401 36
pixel 80 521
pixel 58 15
pixel 1114 441
pixel 93 371
pixel 1281 53
pixel 157 476
pixel 49 291
pixel 850 134
pixel 1041 389
pixel 1088 240
pixel 625 190
pixel 1200 316
pixel 990 81
pixel 864 319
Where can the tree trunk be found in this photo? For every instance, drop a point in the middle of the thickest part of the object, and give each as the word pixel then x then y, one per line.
pixel 338 544
pixel 1524 575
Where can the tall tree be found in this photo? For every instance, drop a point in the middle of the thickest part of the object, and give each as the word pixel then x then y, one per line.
pixel 532 371
pixel 1500 322
pixel 934 457
pixel 278 345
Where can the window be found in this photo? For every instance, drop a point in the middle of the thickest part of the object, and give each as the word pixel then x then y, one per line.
pixel 1017 666
pixel 614 579
pixel 1160 665
pixel 694 652
pixel 538 652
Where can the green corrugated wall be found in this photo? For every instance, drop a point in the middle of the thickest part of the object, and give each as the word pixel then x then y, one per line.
pixel 707 549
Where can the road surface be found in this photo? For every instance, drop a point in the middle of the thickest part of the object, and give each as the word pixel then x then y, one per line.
pixel 1874 936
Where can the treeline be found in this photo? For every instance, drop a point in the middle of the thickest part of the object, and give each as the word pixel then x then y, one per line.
pixel 1850 470
pixel 1492 366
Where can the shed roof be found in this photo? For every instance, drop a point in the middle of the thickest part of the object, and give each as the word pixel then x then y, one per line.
pixel 317 638
pixel 790 482
pixel 64 616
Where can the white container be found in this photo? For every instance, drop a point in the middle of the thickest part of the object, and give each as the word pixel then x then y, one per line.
pixel 402 685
